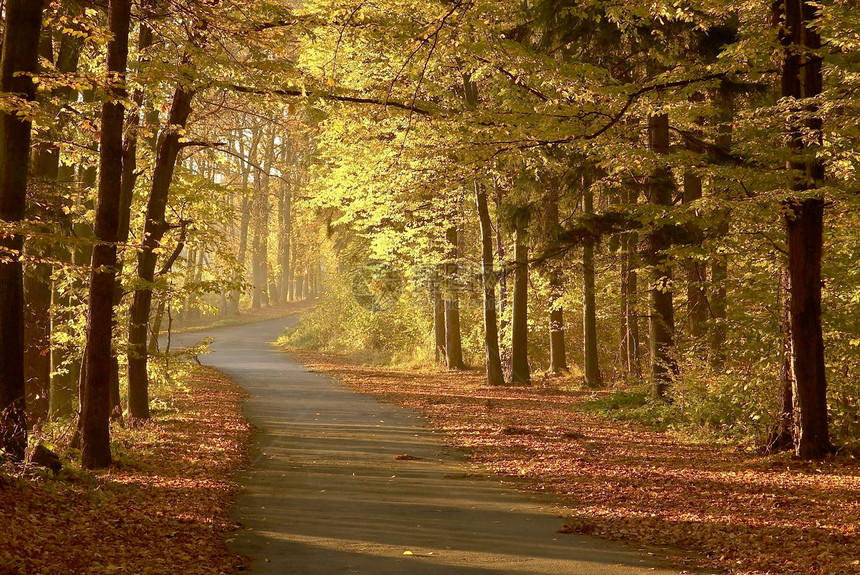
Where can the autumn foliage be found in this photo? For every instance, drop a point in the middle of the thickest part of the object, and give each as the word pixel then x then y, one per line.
pixel 164 508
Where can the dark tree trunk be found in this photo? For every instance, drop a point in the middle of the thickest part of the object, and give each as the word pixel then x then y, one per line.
pixel 154 229
pixel 43 205
pixel 495 376
pixel 662 325
pixel 557 348
pixel 589 306
pixel 520 374
pixel 129 178
pixel 802 78
pixel 95 412
pixel 453 343
pixel 20 53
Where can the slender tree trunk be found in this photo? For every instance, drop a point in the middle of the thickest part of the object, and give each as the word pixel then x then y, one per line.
pixel 154 229
pixel 630 297
pixel 589 306
pixel 520 374
pixel 662 312
pixel 719 262
pixel 438 319
pixel 495 376
pixel 557 348
pixel 286 233
pixel 129 178
pixel 697 302
pixel 802 78
pixel 95 412
pixel 453 343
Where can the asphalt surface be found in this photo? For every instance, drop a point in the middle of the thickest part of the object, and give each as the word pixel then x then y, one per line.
pixel 325 494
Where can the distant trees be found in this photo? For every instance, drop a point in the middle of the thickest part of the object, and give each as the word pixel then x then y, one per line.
pixel 644 164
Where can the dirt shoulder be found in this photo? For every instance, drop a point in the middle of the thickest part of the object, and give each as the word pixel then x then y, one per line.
pixel 728 510
pixel 163 508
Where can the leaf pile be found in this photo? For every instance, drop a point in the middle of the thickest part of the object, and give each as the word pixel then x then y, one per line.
pixel 163 508
pixel 729 510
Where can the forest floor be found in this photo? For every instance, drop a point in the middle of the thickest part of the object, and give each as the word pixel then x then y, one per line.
pixel 724 509
pixel 163 507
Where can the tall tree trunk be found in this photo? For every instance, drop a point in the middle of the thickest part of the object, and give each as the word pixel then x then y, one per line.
pixel 95 412
pixel 154 229
pixel 589 306
pixel 129 179
pixel 802 78
pixel 438 319
pixel 43 206
pixel 286 233
pixel 630 297
pixel 662 325
pixel 719 262
pixel 20 52
pixel 520 374
pixel 557 348
pixel 453 343
pixel 495 376
pixel 697 302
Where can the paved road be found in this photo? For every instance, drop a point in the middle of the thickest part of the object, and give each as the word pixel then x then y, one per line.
pixel 325 495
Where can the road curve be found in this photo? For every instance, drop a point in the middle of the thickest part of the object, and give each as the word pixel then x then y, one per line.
pixel 325 494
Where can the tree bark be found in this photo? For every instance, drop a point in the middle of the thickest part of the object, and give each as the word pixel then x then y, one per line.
pixel 589 306
pixel 557 348
pixel 495 376
pixel 630 297
pixel 20 52
pixel 438 319
pixel 154 229
pixel 662 325
pixel 129 179
pixel 520 374
pixel 95 412
pixel 697 302
pixel 453 343
pixel 804 219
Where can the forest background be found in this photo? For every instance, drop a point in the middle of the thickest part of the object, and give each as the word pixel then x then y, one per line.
pixel 651 196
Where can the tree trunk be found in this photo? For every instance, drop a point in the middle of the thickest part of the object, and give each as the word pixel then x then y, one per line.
pixel 589 306
pixel 495 376
pixel 286 232
pixel 95 412
pixel 662 325
pixel 630 297
pixel 697 302
pixel 453 343
pixel 520 374
pixel 20 52
pixel 438 319
pixel 557 348
pixel 44 205
pixel 154 229
pixel 802 78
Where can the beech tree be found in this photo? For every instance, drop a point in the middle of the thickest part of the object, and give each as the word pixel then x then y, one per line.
pixel 17 64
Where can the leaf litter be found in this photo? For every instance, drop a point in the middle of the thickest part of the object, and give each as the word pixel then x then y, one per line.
pixel 164 507
pixel 711 507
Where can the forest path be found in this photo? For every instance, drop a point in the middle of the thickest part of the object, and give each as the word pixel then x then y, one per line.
pixel 325 494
